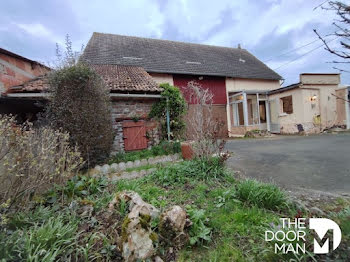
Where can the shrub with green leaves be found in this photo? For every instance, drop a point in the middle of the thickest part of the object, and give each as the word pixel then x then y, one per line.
pixel 199 232
pixel 80 105
pixel 176 104
pixel 263 195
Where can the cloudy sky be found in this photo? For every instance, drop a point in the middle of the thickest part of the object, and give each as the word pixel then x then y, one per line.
pixel 272 30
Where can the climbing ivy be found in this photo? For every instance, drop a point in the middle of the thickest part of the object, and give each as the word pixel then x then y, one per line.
pixel 177 109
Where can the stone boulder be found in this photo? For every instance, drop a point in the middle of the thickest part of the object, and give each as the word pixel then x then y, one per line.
pixel 176 217
pixel 171 226
pixel 137 237
pixel 137 242
pixel 136 204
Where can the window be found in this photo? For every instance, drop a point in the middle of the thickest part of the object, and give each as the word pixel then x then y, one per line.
pixel 287 104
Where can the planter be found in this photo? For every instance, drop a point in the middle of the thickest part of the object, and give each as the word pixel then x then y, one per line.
pixel 187 150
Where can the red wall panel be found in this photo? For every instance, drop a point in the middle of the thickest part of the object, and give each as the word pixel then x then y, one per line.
pixel 215 84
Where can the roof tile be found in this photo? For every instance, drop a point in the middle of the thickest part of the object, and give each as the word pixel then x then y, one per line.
pixel 163 56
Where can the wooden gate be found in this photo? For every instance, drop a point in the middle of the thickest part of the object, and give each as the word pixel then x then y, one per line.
pixel 134 135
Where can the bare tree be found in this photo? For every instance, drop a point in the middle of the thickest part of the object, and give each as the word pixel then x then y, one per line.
pixel 203 127
pixel 341 31
pixel 68 57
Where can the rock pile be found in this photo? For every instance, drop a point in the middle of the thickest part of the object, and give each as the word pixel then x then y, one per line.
pixel 137 241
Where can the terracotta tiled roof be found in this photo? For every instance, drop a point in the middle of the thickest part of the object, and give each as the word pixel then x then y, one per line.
pixel 163 56
pixel 127 78
pixel 38 84
pixel 117 78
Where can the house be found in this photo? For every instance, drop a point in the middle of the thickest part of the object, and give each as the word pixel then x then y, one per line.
pixel 247 94
pixel 309 106
pixel 228 73
pixel 133 92
pixel 14 70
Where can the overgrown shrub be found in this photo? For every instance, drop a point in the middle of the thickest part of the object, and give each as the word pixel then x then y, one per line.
pixel 175 102
pixel 263 195
pixel 32 159
pixel 203 127
pixel 80 105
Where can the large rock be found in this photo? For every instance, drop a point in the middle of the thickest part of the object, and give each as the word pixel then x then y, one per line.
pixel 134 200
pixel 171 226
pixel 176 217
pixel 136 242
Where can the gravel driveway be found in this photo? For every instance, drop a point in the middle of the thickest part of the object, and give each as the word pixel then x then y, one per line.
pixel 318 162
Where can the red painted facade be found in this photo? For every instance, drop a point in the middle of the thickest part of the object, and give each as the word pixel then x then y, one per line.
pixel 215 84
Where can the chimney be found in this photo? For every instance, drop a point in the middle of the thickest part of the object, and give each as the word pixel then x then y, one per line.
pixel 239 46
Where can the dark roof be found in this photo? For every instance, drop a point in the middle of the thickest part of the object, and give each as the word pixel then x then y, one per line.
pixel 127 78
pixel 163 56
pixel 9 53
pixel 117 78
pixel 283 89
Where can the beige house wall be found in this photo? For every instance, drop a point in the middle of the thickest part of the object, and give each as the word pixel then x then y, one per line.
pixel 288 122
pixel 314 115
pixel 163 78
pixel 317 79
pixel 341 113
pixel 237 84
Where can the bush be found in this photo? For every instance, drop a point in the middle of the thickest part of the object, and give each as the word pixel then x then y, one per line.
pixel 177 108
pixel 164 148
pixel 204 127
pixel 32 159
pixel 80 105
pixel 263 195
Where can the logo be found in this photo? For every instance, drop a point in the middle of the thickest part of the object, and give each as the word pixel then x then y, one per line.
pixel 321 227
pixel 290 236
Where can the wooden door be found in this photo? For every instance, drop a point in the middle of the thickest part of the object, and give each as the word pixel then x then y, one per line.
pixel 134 135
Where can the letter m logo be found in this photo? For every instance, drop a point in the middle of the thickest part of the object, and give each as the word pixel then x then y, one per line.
pixel 321 227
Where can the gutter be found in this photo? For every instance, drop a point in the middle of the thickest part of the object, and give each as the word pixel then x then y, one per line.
pixel 34 95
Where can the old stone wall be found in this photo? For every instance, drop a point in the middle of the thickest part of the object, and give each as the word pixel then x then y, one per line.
pixel 135 109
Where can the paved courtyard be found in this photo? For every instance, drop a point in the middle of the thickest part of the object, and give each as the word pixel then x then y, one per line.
pixel 319 162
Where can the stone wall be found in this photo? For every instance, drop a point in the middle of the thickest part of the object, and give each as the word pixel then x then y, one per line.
pixel 126 109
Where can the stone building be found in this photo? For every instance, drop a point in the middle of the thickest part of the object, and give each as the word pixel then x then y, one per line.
pixel 133 92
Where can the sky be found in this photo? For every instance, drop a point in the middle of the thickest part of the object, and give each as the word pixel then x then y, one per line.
pixel 278 32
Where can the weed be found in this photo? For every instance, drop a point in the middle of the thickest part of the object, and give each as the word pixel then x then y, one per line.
pixel 199 232
pixel 263 195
